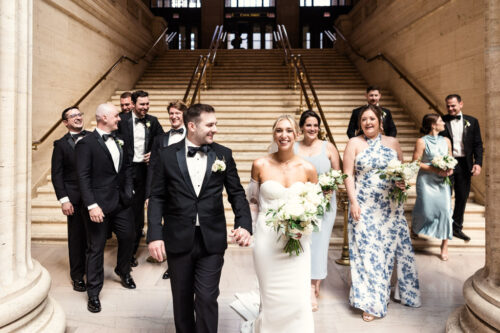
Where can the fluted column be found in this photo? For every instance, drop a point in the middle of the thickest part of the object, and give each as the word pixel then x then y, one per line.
pixel 24 283
pixel 481 312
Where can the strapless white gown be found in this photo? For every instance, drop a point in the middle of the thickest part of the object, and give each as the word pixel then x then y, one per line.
pixel 284 280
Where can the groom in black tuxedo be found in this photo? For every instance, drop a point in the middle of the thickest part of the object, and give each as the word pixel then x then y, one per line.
pixel 105 178
pixel 187 193
pixel 65 181
pixel 465 136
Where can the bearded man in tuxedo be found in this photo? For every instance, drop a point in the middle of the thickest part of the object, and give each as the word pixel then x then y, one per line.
pixel 465 136
pixel 189 177
pixel 65 182
pixel 105 178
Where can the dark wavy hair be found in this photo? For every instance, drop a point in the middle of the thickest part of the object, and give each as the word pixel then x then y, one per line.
pixel 375 109
pixel 427 122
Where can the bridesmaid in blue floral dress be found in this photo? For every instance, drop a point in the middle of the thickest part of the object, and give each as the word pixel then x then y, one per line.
pixel 432 214
pixel 324 156
pixel 378 233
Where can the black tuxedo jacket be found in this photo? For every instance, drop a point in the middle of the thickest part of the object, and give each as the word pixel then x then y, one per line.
pixel 473 145
pixel 387 123
pixel 98 179
pixel 63 169
pixel 159 143
pixel 126 132
pixel 174 198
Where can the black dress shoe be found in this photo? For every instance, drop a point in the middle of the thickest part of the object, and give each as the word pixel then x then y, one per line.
pixel 133 262
pixel 126 280
pixel 460 234
pixel 79 285
pixel 94 305
pixel 166 275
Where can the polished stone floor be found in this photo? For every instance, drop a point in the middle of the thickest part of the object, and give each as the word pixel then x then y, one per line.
pixel 149 307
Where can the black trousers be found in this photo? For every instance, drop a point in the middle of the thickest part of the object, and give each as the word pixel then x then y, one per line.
pixel 77 242
pixel 194 280
pixel 461 185
pixel 140 171
pixel 121 224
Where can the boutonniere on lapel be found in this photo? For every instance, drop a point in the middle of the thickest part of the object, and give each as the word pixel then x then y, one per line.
pixel 466 123
pixel 384 114
pixel 148 124
pixel 120 142
pixel 219 165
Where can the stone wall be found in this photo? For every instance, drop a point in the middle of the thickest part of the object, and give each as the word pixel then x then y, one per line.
pixel 74 43
pixel 439 44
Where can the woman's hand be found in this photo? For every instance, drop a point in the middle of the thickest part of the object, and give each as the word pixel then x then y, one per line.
pixel 355 211
pixel 401 184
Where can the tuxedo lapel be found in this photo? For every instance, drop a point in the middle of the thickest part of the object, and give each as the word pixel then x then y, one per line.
pixel 146 135
pixel 181 160
pixel 210 161
pixel 121 156
pixel 130 126
pixel 448 127
pixel 166 137
pixel 70 140
pixel 465 121
pixel 103 146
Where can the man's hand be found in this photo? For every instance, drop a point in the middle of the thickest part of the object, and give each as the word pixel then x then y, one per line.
pixel 476 170
pixel 241 236
pixel 67 208
pixel 96 215
pixel 157 250
pixel 147 157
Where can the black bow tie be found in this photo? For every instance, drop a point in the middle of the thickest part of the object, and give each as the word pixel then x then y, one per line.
pixel 178 131
pixel 77 135
pixel 141 120
pixel 105 137
pixel 193 150
pixel 456 117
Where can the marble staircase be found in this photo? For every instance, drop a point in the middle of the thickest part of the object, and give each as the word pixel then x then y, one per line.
pixel 249 91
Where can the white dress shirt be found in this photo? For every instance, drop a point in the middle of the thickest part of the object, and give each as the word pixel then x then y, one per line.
pixel 176 137
pixel 139 130
pixel 115 155
pixel 197 166
pixel 457 129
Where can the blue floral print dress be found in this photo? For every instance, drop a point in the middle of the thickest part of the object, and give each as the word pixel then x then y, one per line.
pixel 379 238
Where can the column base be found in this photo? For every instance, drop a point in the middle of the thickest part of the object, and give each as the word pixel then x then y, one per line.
pixel 478 315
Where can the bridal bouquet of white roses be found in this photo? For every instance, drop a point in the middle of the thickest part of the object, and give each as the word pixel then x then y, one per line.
pixel 329 182
pixel 445 163
pixel 398 171
pixel 300 214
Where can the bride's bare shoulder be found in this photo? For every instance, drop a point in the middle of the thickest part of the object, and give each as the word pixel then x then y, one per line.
pixel 261 162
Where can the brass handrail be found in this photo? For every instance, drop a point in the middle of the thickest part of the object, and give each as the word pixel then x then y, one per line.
pixel 301 72
pixel 36 143
pixel 200 70
pixel 405 78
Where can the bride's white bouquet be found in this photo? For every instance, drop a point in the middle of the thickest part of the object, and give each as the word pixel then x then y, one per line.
pixel 329 182
pixel 445 163
pixel 304 205
pixel 398 171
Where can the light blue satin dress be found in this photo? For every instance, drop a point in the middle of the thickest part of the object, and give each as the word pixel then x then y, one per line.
pixel 432 214
pixel 320 241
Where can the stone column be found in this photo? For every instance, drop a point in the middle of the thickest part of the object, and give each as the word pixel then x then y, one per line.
pixel 481 312
pixel 24 283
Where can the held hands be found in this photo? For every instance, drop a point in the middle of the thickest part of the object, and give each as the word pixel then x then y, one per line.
pixel 96 215
pixel 67 208
pixel 157 250
pixel 401 184
pixel 445 173
pixel 476 170
pixel 241 236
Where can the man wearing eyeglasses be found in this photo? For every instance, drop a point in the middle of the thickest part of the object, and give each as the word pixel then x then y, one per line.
pixel 65 181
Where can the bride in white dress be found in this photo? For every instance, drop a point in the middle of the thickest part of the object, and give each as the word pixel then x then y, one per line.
pixel 284 280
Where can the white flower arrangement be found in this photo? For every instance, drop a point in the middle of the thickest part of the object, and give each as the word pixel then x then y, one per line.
pixel 219 165
pixel 148 124
pixel 304 205
pixel 397 171
pixel 120 142
pixel 329 182
pixel 466 123
pixel 444 162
